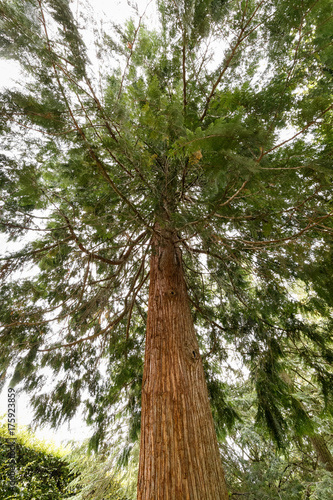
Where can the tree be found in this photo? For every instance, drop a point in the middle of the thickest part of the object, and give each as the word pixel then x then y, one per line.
pixel 42 471
pixel 94 477
pixel 257 468
pixel 201 163
pixel 48 472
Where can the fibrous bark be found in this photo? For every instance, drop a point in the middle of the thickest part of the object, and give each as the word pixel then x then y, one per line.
pixel 179 455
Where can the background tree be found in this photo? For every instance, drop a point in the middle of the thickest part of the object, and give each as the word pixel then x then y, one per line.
pixel 95 477
pixel 42 470
pixel 201 163
pixel 257 468
pixel 50 472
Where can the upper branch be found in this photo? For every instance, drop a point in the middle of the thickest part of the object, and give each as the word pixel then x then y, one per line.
pixel 241 37
pixel 184 73
pixel 308 125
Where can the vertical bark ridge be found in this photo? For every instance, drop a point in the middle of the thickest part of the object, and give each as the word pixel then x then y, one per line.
pixel 179 456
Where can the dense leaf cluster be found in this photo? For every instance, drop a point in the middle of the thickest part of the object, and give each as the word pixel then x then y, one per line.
pixel 40 471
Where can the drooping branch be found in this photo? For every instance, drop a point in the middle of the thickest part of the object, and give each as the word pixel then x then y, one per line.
pixel 254 244
pixel 82 134
pixel 21 254
pixel 111 325
pixel 105 330
pixel 92 255
pixel 306 127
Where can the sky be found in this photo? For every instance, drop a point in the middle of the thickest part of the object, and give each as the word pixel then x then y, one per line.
pixel 104 10
pixel 117 11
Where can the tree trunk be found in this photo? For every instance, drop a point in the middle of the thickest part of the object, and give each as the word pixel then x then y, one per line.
pixel 318 442
pixel 179 455
pixel 324 454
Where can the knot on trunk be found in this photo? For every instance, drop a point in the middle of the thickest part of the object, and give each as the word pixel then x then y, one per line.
pixel 192 353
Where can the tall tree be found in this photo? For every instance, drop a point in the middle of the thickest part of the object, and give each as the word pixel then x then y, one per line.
pixel 201 162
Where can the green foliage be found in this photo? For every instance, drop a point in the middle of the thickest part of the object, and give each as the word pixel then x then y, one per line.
pixel 42 471
pixel 322 489
pixel 95 477
pixel 256 468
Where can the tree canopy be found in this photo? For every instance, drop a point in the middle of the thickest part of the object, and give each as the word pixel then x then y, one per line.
pixel 216 125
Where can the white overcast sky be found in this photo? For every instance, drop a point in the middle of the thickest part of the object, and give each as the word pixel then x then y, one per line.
pixel 117 11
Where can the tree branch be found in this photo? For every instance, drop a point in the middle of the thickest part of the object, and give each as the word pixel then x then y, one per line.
pixel 241 37
pixel 308 125
pixel 184 73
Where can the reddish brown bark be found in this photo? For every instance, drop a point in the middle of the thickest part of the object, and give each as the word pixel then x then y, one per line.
pixel 179 456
